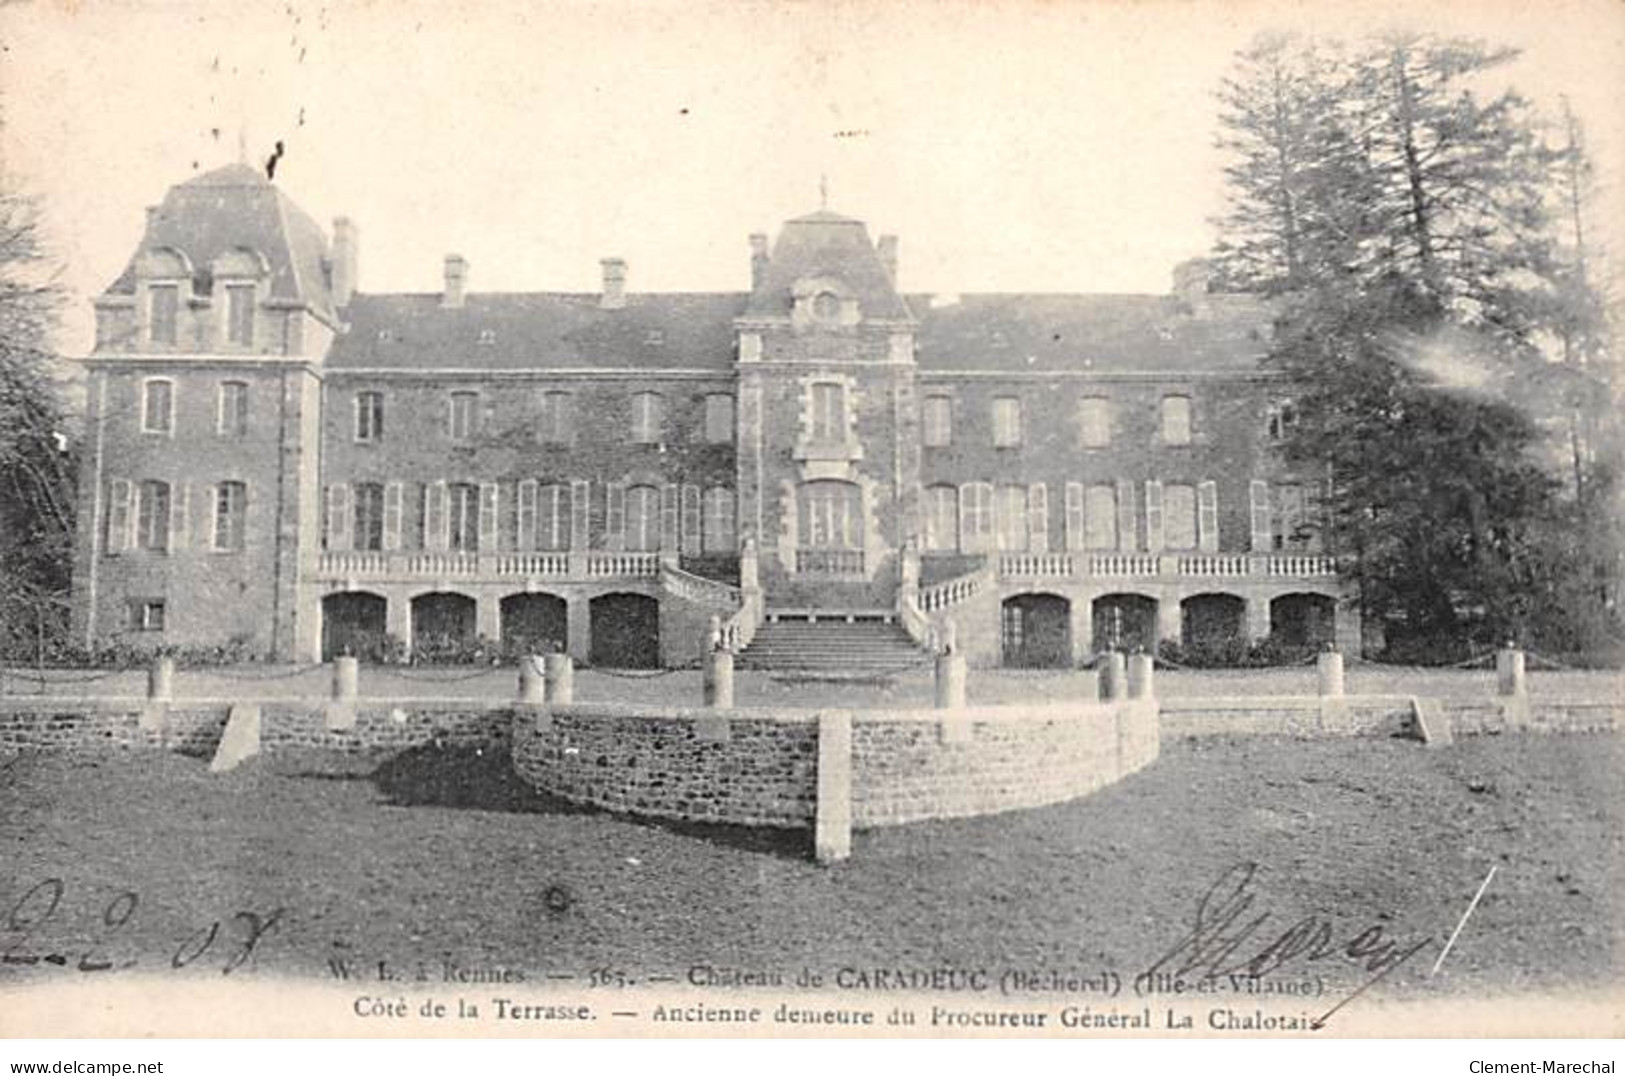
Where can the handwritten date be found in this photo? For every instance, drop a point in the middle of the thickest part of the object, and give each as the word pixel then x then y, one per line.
pixel 225 944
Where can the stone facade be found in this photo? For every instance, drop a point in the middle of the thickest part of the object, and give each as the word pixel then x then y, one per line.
pixel 277 458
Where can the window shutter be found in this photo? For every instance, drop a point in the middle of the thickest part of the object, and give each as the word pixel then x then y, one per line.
pixel 1207 517
pixel 490 494
pixel 525 524
pixel 1038 517
pixel 180 504
pixel 1074 515
pixel 338 516
pixel 1125 515
pixel 212 507
pixel 394 497
pixel 120 520
pixel 1153 516
pixel 579 491
pixel 691 519
pixel 615 514
pixel 1258 493
pixel 668 517
pixel 436 516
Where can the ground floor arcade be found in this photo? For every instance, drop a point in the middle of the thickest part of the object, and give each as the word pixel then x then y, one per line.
pixel 617 626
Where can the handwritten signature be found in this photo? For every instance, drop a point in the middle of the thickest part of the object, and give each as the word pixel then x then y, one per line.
pixel 228 942
pixel 1228 937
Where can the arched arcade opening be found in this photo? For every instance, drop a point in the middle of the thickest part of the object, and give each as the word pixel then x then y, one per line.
pixel 442 626
pixel 625 631
pixel 1036 631
pixel 354 624
pixel 534 624
pixel 1125 622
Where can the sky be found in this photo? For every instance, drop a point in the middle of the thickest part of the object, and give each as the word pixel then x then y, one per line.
pixel 1013 146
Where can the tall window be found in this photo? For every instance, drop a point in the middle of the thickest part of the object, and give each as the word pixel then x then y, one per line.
pixel 941 518
pixel 1291 519
pixel 554 425
pixel 164 302
pixel 465 408
pixel 1100 517
pixel 369 517
pixel 1095 419
pixel 1176 420
pixel 1281 419
pixel 719 418
pixel 1179 517
pixel 158 406
pixel 1006 422
pixel 647 418
pixel 937 421
pixel 642 519
pixel 232 417
pixel 240 314
pixel 828 411
pixel 1010 511
pixel 553 517
pixel 830 515
pixel 230 516
pixel 976 517
pixel 719 520
pixel 152 517
pixel 463 523
pixel 369 417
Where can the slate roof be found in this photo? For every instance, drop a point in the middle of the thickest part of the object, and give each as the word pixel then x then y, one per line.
pixel 826 243
pixel 1005 332
pixel 1097 333
pixel 236 206
pixel 530 331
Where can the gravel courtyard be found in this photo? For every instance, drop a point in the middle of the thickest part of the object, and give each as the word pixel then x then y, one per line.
pixel 436 855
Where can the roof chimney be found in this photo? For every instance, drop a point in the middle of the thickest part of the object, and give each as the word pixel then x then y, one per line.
pixel 886 247
pixel 342 274
pixel 614 294
pixel 1193 279
pixel 758 259
pixel 456 290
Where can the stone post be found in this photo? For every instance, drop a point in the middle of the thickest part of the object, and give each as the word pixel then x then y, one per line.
pixel 1113 676
pixel 1509 671
pixel 832 823
pixel 161 679
pixel 1329 665
pixel 1141 669
pixel 532 681
pixel 560 672
pixel 346 678
pixel 719 679
pixel 950 681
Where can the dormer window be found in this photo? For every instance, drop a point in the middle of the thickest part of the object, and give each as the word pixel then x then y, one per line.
pixel 488 337
pixel 163 310
pixel 240 315
pixel 655 338
pixel 826 306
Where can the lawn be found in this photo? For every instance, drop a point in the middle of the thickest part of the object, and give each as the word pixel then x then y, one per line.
pixel 437 855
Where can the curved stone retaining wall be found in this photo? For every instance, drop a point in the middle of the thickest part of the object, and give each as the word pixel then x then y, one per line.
pixel 762 767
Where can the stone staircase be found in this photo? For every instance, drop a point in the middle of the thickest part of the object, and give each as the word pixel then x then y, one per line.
pixel 832 645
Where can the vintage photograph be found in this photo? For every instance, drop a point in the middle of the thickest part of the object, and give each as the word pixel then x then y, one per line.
pixel 798 519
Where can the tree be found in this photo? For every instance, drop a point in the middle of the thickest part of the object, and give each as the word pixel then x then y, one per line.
pixel 1407 224
pixel 36 465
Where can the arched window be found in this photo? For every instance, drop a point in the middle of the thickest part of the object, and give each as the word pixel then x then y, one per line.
pixel 828 401
pixel 463 521
pixel 231 516
pixel 642 519
pixel 158 405
pixel 1179 516
pixel 369 517
pixel 719 520
pixel 152 517
pixel 1100 517
pixel 1011 512
pixel 826 306
pixel 647 418
pixel 941 518
pixel 831 515
pixel 976 517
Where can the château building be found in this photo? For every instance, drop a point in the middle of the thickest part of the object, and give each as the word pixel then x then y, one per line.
pixel 278 457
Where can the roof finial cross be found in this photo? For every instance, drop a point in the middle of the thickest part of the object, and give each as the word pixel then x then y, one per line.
pixel 823 191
